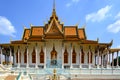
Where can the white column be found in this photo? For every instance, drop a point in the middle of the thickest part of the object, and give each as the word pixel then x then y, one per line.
pixel 27 66
pixel 107 58
pixel 1 54
pixel 62 55
pixel 89 58
pixel 36 47
pixel 102 60
pixel 98 58
pixel 10 56
pixel 18 56
pixel 117 60
pixel 112 59
pixel 45 55
pixel 95 59
pixel 80 57
pixel 71 55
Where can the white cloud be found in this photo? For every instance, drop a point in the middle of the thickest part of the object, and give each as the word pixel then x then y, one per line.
pixel 6 27
pixel 99 15
pixel 72 2
pixel 117 16
pixel 115 27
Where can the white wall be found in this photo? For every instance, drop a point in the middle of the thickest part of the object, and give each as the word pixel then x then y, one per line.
pixel 49 48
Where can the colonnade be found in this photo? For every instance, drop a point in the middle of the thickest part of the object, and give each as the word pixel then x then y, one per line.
pixel 10 55
pixel 99 64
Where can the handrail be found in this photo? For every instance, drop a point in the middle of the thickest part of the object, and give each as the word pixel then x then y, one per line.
pixel 18 77
pixel 30 77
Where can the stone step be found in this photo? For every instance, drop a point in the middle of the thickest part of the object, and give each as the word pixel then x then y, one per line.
pixel 10 77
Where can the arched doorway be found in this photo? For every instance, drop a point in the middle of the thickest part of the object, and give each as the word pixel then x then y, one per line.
pixel 25 56
pixel 41 55
pixel 65 56
pixel 53 56
pixel 73 56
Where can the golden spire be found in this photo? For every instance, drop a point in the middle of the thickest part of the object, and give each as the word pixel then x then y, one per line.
pixel 54 5
pixel 54 12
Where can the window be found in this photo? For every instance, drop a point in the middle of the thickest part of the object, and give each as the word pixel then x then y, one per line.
pixel 65 56
pixel 91 57
pixel 82 56
pixel 74 56
pixel 25 56
pixel 90 53
pixel 41 56
pixel 17 57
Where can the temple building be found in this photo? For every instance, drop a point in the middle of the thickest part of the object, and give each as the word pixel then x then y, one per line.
pixel 54 45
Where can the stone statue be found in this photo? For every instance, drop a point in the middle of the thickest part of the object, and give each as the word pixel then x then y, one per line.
pixel 54 76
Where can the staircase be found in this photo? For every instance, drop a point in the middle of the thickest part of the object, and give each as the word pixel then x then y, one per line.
pixel 11 77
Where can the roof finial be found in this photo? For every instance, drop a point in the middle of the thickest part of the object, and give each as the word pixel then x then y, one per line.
pixel 53 4
pixel 54 12
pixel 24 27
pixel 78 24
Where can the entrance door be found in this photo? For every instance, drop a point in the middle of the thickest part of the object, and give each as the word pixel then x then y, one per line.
pixel 53 57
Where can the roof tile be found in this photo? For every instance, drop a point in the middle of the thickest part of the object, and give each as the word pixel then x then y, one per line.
pixel 70 31
pixel 81 34
pixel 37 31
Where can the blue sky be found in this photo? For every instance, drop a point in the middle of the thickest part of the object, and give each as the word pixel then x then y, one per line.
pixel 101 17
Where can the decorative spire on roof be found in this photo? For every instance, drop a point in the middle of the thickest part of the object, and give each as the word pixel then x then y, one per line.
pixel 78 23
pixel 54 5
pixel 54 11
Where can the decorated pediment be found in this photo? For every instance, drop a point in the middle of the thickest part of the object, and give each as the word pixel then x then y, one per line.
pixel 54 27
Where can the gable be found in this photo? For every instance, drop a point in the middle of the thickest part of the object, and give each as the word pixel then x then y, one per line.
pixel 37 31
pixel 54 28
pixel 81 34
pixel 26 34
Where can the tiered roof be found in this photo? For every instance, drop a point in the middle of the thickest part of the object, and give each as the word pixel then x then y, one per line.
pixel 53 30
